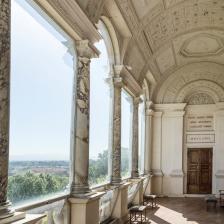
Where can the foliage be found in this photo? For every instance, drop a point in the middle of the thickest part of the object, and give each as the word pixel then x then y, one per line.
pixel 98 169
pixel 29 185
pixel 32 179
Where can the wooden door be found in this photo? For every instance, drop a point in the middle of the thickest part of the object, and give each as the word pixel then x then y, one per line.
pixel 199 173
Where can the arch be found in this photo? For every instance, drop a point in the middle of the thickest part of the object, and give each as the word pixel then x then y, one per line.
pixel 145 88
pixel 206 77
pixel 111 40
pixel 200 86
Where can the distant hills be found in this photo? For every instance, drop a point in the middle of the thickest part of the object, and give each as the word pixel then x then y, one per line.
pixel 38 157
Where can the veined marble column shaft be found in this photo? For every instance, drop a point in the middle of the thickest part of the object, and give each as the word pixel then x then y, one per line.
pixel 80 132
pixel 5 8
pixel 148 138
pixel 116 137
pixel 134 171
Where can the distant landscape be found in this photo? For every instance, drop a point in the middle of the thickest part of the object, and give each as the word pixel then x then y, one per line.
pixel 34 179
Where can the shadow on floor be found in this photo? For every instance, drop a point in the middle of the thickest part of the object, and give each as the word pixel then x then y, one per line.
pixel 185 211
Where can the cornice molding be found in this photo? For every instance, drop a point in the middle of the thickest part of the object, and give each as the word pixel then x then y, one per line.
pixel 177 107
pixel 128 80
pixel 71 18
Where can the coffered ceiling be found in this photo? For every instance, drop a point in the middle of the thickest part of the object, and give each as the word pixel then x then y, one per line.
pixel 165 35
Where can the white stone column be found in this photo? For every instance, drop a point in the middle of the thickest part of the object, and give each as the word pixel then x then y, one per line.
pixel 148 138
pixel 116 131
pixel 5 8
pixel 80 131
pixel 135 126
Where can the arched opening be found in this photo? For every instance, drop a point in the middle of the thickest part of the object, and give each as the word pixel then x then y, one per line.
pixel 100 100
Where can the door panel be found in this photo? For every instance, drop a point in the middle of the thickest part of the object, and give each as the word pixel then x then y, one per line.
pixel 199 174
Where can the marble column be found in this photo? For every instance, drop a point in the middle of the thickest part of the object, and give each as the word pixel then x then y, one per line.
pixel 5 210
pixel 116 133
pixel 80 131
pixel 148 138
pixel 134 170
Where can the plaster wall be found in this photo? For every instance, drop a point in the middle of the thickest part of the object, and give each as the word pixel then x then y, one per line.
pixel 172 148
pixel 172 137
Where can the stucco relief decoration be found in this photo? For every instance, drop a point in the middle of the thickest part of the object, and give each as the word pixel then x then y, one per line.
pixel 200 99
pixel 202 45
pixel 83 85
pixel 190 80
pixel 94 9
pixel 189 15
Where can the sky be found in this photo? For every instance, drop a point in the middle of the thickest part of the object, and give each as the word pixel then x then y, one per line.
pixel 41 91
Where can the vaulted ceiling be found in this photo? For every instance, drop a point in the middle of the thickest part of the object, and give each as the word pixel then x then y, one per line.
pixel 164 37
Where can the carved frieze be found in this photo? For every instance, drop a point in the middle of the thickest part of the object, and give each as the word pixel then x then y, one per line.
pixel 200 99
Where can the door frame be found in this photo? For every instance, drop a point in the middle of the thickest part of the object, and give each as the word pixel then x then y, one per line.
pixel 212 166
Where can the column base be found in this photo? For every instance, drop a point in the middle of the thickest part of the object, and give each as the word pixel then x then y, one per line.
pixel 134 175
pixel 6 210
pixel 85 210
pixel 116 181
pixel 80 190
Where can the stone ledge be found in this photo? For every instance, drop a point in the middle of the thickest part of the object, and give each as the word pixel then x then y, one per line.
pixel 84 199
pixel 22 218
pixel 30 219
pixel 12 219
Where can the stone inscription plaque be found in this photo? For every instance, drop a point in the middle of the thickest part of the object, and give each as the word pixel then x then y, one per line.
pixel 206 138
pixel 200 123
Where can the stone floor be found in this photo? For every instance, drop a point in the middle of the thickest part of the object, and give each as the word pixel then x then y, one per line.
pixel 184 211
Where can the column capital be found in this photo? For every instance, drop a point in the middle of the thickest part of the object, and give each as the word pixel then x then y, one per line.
pixel 128 79
pixel 148 105
pixel 137 100
pixel 118 70
pixel 86 50
pixel 149 112
pixel 115 81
